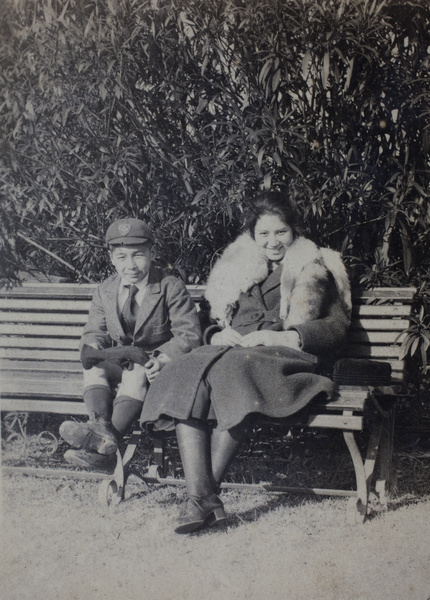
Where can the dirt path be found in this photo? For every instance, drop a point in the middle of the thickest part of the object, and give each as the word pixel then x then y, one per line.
pixel 59 544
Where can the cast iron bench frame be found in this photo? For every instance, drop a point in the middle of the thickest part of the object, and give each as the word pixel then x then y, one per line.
pixel 40 326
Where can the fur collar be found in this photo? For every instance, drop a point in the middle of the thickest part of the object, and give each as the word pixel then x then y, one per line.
pixel 243 264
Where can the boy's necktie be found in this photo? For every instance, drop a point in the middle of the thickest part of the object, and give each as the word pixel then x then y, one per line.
pixel 129 311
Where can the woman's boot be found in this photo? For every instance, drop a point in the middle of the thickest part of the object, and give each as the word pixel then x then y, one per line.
pixel 203 507
pixel 225 446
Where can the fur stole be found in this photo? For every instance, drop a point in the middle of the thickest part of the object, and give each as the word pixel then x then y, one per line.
pixel 304 279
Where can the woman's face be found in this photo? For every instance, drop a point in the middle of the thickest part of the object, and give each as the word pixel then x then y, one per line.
pixel 274 236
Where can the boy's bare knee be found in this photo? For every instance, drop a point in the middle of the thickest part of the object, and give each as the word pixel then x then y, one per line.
pixel 134 383
pixel 95 376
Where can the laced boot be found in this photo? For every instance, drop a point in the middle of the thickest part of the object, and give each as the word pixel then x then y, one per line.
pixel 93 436
pixel 200 511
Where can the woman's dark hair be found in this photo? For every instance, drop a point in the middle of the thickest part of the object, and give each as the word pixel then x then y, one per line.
pixel 273 203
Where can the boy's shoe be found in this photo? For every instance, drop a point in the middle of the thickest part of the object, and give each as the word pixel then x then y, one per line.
pixel 93 435
pixel 91 460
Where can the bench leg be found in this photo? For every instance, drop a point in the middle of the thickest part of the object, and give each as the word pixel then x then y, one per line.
pixel 359 503
pixel 385 482
pixel 157 469
pixel 372 452
pixel 111 489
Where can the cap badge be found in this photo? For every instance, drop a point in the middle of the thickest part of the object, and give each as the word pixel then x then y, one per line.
pixel 124 228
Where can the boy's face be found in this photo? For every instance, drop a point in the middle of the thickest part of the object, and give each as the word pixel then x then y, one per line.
pixel 132 262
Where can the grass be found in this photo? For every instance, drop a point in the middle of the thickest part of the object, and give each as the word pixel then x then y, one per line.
pixel 58 542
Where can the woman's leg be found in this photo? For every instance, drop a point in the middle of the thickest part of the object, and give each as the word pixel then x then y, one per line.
pixel 194 446
pixel 203 507
pixel 225 446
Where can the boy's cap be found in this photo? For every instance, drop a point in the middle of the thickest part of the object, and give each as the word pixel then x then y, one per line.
pixel 128 231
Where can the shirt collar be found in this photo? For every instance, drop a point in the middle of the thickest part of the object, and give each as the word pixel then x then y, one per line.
pixel 140 285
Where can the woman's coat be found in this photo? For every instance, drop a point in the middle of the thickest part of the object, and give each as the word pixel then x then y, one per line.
pixel 272 380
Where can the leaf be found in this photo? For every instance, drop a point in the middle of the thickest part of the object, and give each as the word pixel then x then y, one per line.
pixel 415 345
pixel 265 71
pixel 65 116
pixel 325 70
pixel 202 105
pixel 275 80
pixel 305 63
pixel 349 74
pixel 260 156
pixel 89 25
pixel 204 64
pixel 408 255
pixel 424 356
pixel 277 159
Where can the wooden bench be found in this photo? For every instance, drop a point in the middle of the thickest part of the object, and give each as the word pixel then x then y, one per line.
pixel 40 326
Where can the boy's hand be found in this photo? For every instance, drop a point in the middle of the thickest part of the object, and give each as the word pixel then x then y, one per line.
pixel 154 366
pixel 226 337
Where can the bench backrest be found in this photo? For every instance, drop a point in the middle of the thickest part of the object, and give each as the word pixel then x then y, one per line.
pixel 43 322
pixel 378 318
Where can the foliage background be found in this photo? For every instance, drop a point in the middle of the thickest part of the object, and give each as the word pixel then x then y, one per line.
pixel 178 110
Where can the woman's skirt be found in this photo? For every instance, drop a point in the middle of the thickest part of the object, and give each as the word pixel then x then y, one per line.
pixel 228 384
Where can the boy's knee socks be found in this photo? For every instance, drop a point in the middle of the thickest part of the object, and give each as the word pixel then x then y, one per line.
pixel 125 411
pixel 98 400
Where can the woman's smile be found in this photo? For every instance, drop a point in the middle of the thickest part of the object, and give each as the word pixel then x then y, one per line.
pixel 274 236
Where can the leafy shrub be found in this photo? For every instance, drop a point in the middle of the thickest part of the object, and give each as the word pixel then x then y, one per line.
pixel 178 111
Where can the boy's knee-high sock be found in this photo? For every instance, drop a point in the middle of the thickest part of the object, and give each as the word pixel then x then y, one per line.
pixel 125 411
pixel 98 400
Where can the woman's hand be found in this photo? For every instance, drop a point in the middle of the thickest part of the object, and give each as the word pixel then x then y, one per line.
pixel 266 337
pixel 154 366
pixel 226 337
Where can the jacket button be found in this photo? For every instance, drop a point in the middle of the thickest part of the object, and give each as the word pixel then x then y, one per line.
pixel 255 316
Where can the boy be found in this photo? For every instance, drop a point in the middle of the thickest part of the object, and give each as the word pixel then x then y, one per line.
pixel 139 307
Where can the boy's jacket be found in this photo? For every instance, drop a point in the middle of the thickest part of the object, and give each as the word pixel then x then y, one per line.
pixel 167 320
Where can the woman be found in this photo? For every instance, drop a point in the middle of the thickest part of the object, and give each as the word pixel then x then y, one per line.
pixel 279 303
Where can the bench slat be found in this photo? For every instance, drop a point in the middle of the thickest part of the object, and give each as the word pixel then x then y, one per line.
pixel 51 290
pixel 374 337
pixel 37 354
pixel 25 375
pixel 344 401
pixel 65 305
pixel 42 330
pixel 87 289
pixel 64 407
pixel 55 387
pixel 380 324
pixel 39 342
pixel 15 366
pixel 368 351
pixel 42 317
pixel 353 422
pixel 383 310
pixel 385 293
